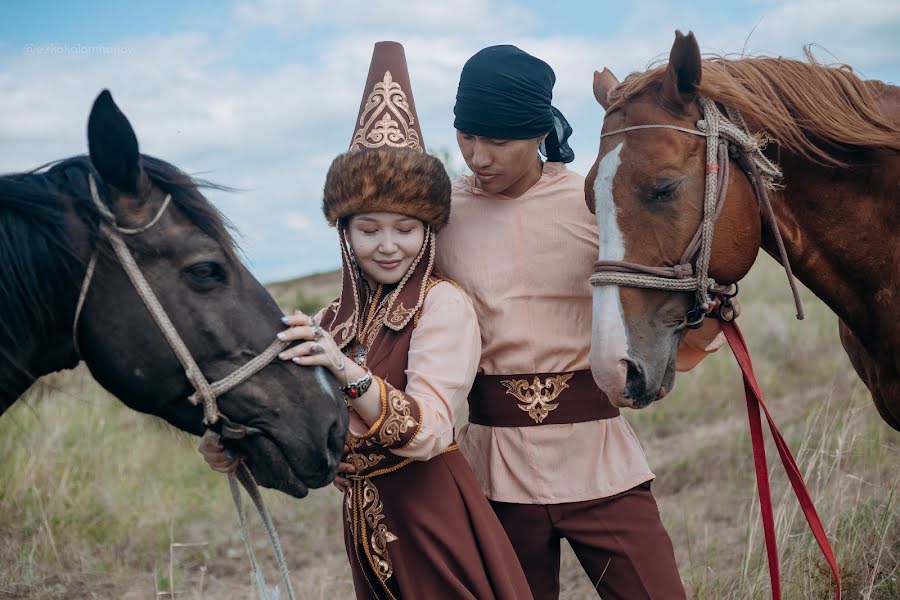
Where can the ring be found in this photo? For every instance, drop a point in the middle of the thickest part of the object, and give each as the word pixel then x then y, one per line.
pixel 317 332
pixel 230 454
pixel 315 349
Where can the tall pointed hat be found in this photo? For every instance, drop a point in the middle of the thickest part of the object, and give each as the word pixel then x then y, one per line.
pixel 385 169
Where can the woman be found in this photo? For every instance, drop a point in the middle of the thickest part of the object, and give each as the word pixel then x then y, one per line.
pixel 404 342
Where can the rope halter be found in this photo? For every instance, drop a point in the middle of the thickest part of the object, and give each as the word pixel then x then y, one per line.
pixel 725 138
pixel 204 390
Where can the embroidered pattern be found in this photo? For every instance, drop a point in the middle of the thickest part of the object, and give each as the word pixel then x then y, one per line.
pixel 342 331
pixel 399 420
pixel 537 398
pixel 386 119
pixel 401 313
pixel 363 462
pixel 365 512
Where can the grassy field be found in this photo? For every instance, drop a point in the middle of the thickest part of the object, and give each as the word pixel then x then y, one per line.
pixel 97 501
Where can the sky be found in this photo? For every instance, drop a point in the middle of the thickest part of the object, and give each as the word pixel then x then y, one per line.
pixel 261 95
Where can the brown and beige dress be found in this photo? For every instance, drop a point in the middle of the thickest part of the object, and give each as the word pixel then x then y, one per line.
pixel 416 522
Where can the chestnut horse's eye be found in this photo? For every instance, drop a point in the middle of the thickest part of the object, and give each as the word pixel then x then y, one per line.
pixel 665 192
pixel 205 274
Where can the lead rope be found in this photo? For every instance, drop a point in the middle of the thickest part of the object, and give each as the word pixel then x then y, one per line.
pixel 207 392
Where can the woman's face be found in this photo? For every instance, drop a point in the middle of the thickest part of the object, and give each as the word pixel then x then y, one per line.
pixel 385 244
pixel 501 166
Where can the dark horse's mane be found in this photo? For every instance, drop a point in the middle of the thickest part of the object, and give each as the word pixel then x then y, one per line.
pixel 815 110
pixel 39 261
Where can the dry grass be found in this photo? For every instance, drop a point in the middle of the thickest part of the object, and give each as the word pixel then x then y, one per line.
pixel 97 501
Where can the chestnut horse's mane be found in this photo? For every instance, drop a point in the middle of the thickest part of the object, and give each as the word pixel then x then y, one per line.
pixel 819 112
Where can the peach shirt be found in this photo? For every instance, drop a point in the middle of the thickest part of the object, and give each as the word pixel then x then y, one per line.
pixel 442 362
pixel 525 263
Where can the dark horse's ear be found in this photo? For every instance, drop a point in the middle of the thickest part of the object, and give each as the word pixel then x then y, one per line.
pixel 682 77
pixel 113 145
pixel 604 83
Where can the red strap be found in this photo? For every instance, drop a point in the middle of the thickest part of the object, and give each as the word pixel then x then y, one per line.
pixel 754 401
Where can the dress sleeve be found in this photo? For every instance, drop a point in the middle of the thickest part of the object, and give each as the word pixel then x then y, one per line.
pixel 697 344
pixel 443 358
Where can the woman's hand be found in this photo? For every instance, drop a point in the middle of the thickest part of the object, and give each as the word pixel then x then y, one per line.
pixel 341 482
pixel 216 455
pixel 317 347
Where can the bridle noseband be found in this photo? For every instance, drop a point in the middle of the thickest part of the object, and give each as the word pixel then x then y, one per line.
pixel 204 390
pixel 726 139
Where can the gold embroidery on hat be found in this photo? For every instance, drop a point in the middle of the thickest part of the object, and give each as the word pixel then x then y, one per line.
pixel 537 398
pixel 386 119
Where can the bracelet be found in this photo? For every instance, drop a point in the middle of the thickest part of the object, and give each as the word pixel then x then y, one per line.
pixel 358 387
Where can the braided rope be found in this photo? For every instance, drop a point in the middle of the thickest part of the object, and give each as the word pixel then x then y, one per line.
pixel 714 126
pixel 246 371
pixel 79 306
pixel 246 479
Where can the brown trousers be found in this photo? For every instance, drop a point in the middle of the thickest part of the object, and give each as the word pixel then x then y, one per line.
pixel 620 542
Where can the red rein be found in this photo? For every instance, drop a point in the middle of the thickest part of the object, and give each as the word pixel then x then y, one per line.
pixel 754 402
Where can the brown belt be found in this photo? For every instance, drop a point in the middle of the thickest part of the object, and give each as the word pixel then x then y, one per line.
pixel 538 399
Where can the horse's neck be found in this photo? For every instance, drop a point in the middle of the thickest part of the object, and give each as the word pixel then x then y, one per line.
pixel 46 349
pixel 839 228
pixel 45 354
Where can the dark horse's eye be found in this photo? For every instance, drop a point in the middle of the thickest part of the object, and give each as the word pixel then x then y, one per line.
pixel 665 192
pixel 205 274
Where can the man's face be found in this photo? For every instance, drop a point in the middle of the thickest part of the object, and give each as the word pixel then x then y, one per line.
pixel 500 166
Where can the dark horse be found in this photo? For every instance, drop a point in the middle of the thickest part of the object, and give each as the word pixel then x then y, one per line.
pixel 836 139
pixel 48 230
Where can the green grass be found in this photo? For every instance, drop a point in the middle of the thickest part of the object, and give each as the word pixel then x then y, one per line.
pixel 97 501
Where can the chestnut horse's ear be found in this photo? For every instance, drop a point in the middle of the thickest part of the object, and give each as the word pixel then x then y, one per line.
pixel 604 83
pixel 113 145
pixel 682 77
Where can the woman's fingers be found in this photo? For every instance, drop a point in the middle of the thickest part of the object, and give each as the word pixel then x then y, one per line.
pixel 345 467
pixel 302 332
pixel 306 349
pixel 341 483
pixel 297 319
pixel 216 455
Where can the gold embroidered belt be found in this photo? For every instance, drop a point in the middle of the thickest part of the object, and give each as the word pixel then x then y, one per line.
pixel 369 466
pixel 538 399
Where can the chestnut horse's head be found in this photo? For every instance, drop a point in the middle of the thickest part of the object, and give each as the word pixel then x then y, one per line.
pixel 647 189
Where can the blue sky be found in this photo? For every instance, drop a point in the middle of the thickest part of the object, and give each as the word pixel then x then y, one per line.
pixel 261 94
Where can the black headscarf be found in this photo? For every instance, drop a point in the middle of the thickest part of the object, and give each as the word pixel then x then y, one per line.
pixel 505 93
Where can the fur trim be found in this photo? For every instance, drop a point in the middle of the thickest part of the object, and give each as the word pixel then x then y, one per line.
pixel 397 180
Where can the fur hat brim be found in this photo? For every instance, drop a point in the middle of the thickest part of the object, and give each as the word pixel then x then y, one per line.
pixel 397 180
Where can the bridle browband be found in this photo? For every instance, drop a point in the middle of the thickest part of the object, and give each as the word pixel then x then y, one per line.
pixel 725 139
pixel 204 390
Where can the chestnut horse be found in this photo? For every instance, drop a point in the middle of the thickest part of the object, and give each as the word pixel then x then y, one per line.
pixel 49 227
pixel 835 139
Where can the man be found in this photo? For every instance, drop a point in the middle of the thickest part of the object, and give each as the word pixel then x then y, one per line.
pixel 550 451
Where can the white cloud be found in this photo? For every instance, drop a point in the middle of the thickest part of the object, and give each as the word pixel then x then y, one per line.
pixel 272 129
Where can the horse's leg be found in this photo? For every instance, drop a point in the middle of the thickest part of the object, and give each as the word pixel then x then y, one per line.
pixel 884 388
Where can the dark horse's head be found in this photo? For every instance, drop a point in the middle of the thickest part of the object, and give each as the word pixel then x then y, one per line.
pixel 48 230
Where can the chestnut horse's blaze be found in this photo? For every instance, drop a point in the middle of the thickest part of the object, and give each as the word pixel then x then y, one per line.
pixel 837 142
